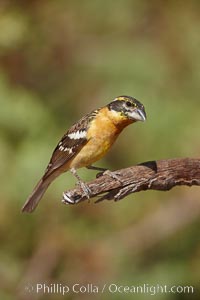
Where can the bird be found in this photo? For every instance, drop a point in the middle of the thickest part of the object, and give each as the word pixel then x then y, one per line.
pixel 87 141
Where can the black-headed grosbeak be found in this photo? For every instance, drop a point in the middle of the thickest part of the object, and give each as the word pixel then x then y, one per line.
pixel 87 141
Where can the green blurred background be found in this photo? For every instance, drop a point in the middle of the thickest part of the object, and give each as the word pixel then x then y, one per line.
pixel 58 61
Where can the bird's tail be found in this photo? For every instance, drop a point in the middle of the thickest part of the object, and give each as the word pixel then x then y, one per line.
pixel 33 200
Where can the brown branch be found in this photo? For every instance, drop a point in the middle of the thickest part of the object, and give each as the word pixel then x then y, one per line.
pixel 160 175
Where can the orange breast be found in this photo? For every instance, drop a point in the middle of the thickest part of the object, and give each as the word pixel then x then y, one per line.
pixel 103 131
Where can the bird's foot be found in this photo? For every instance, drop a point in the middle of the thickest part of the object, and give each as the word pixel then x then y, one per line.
pixel 113 175
pixel 86 190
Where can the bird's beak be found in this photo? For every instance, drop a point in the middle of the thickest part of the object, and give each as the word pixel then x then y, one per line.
pixel 141 114
pixel 138 114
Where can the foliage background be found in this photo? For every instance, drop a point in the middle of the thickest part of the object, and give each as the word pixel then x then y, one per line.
pixel 59 60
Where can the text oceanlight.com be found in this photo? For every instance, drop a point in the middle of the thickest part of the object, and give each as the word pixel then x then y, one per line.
pixel 113 288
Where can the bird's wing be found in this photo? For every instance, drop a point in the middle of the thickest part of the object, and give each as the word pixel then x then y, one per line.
pixel 70 144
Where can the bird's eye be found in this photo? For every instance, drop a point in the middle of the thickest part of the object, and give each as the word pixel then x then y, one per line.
pixel 128 103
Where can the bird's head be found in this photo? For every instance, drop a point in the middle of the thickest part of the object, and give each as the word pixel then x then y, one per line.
pixel 127 108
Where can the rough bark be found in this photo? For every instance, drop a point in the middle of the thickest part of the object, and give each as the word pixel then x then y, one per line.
pixel 160 175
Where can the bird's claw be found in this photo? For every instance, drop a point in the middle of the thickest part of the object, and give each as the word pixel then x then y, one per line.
pixel 111 174
pixel 86 190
